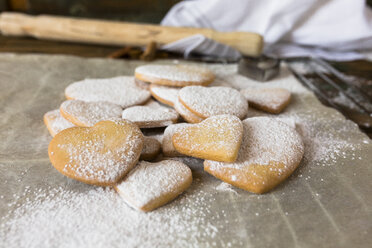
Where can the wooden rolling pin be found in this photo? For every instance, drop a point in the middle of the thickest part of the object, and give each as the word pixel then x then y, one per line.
pixel 118 33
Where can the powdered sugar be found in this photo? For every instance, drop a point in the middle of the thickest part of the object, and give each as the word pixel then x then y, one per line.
pixel 209 101
pixel 89 113
pixel 118 90
pixel 167 144
pixel 55 122
pixel 180 75
pixel 99 156
pixel 148 182
pixel 186 114
pixel 267 140
pixel 271 99
pixel 153 115
pixel 225 187
pixel 164 94
pixel 98 217
pixel 217 137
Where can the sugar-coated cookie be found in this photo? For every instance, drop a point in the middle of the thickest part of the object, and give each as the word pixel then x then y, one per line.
pixel 209 101
pixel 186 114
pixel 151 115
pixel 99 155
pixel 164 94
pixel 216 138
pixel 151 185
pixel 167 143
pixel 55 122
pixel 272 100
pixel 122 91
pixel 270 151
pixel 86 114
pixel 151 149
pixel 174 75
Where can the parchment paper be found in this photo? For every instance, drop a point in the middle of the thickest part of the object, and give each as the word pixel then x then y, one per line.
pixel 323 204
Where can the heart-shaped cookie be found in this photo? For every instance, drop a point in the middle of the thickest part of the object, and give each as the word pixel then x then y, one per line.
pixel 216 138
pixel 210 101
pixel 151 115
pixel 164 94
pixel 99 155
pixel 86 114
pixel 174 75
pixel 151 148
pixel 122 91
pixel 272 100
pixel 186 114
pixel 270 151
pixel 151 185
pixel 167 144
pixel 55 122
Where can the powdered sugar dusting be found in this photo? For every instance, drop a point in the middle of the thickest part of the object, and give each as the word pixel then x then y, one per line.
pixel 267 140
pixel 55 122
pixel 152 115
pixel 216 134
pixel 167 144
pixel 91 156
pixel 186 114
pixel 89 113
pixel 210 101
pixel 269 98
pixel 98 217
pixel 180 73
pixel 167 95
pixel 225 187
pixel 118 90
pixel 147 182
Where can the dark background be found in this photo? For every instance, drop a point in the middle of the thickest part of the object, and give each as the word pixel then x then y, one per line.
pixel 146 11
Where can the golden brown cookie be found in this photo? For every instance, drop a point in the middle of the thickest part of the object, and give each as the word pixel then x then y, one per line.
pixel 55 122
pixel 167 144
pixel 174 75
pixel 151 185
pixel 99 155
pixel 164 94
pixel 272 100
pixel 210 101
pixel 122 91
pixel 270 151
pixel 86 114
pixel 216 138
pixel 151 149
pixel 186 114
pixel 151 115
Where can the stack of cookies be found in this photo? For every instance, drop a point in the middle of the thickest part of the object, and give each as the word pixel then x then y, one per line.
pixel 98 134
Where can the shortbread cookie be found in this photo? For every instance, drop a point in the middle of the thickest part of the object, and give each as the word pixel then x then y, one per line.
pixel 217 138
pixel 174 75
pixel 86 114
pixel 99 155
pixel 151 185
pixel 122 91
pixel 141 84
pixel 210 101
pixel 186 114
pixel 151 149
pixel 55 122
pixel 164 94
pixel 151 115
pixel 167 144
pixel 272 100
pixel 270 151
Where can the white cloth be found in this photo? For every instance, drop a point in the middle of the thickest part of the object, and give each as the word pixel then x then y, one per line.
pixel 290 27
